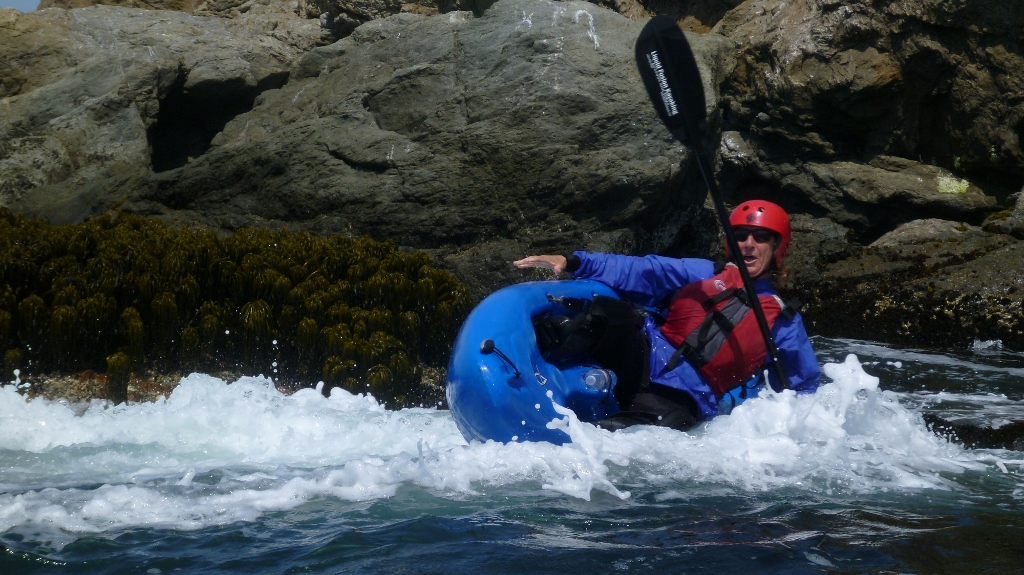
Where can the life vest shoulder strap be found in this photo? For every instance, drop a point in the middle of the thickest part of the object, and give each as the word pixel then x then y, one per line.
pixel 791 307
pixel 711 324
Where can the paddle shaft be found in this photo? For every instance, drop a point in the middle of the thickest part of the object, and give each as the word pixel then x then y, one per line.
pixel 673 82
pixel 737 258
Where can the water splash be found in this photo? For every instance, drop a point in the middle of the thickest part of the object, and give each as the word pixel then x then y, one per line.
pixel 213 454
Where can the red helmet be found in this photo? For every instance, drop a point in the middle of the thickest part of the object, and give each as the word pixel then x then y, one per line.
pixel 763 214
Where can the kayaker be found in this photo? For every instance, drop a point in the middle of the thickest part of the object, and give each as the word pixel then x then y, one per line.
pixel 695 357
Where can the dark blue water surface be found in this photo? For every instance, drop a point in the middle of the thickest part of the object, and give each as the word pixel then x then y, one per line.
pixel 240 479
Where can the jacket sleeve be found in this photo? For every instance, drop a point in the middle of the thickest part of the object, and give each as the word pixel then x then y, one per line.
pixel 796 355
pixel 647 280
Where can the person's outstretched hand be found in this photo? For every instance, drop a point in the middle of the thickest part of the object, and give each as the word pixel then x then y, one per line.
pixel 555 263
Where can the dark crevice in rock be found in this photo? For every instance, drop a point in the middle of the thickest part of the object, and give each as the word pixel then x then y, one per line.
pixel 694 15
pixel 477 7
pixel 189 119
pixel 357 165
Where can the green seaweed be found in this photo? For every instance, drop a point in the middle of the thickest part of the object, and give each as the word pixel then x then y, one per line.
pixel 122 292
pixel 119 369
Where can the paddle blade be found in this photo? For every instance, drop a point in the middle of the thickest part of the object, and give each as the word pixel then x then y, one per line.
pixel 670 73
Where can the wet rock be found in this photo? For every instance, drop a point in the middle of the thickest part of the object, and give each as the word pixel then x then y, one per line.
pixel 344 16
pixel 692 15
pixel 932 283
pixel 816 243
pixel 1009 221
pixel 895 129
pixel 862 111
pixel 1009 436
pixel 870 198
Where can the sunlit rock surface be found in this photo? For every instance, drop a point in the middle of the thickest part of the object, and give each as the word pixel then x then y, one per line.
pixel 180 5
pixel 116 93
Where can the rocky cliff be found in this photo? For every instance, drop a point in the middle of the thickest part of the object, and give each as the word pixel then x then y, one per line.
pixel 891 129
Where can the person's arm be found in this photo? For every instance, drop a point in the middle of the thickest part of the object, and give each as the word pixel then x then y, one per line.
pixel 796 355
pixel 647 280
pixel 556 264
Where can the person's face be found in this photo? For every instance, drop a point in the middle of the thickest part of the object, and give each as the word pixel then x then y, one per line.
pixel 757 246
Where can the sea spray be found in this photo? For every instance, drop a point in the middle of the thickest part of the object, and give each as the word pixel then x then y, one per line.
pixel 214 454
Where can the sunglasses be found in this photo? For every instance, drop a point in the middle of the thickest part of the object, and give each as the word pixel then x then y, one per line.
pixel 760 236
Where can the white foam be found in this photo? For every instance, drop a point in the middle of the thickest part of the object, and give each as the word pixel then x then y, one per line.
pixel 213 454
pixel 985 409
pixel 928 358
pixel 985 345
pixel 205 425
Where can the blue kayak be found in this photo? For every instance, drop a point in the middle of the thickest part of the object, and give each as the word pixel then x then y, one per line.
pixel 499 385
pixel 486 397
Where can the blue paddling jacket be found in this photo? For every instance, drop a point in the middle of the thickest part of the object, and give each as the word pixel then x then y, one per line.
pixel 652 280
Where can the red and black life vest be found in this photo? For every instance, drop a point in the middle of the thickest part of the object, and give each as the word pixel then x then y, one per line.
pixel 712 325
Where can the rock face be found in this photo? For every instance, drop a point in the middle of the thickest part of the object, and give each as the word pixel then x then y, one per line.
pixel 862 111
pixel 181 5
pixel 420 129
pixel 930 282
pixel 890 129
pixel 1009 221
pixel 874 119
pixel 111 94
pixel 527 125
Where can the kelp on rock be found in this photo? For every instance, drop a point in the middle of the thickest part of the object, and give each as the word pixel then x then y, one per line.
pixel 122 292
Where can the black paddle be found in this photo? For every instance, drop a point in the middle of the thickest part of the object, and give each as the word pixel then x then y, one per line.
pixel 672 78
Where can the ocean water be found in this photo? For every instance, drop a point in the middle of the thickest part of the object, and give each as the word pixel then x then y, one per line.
pixel 242 479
